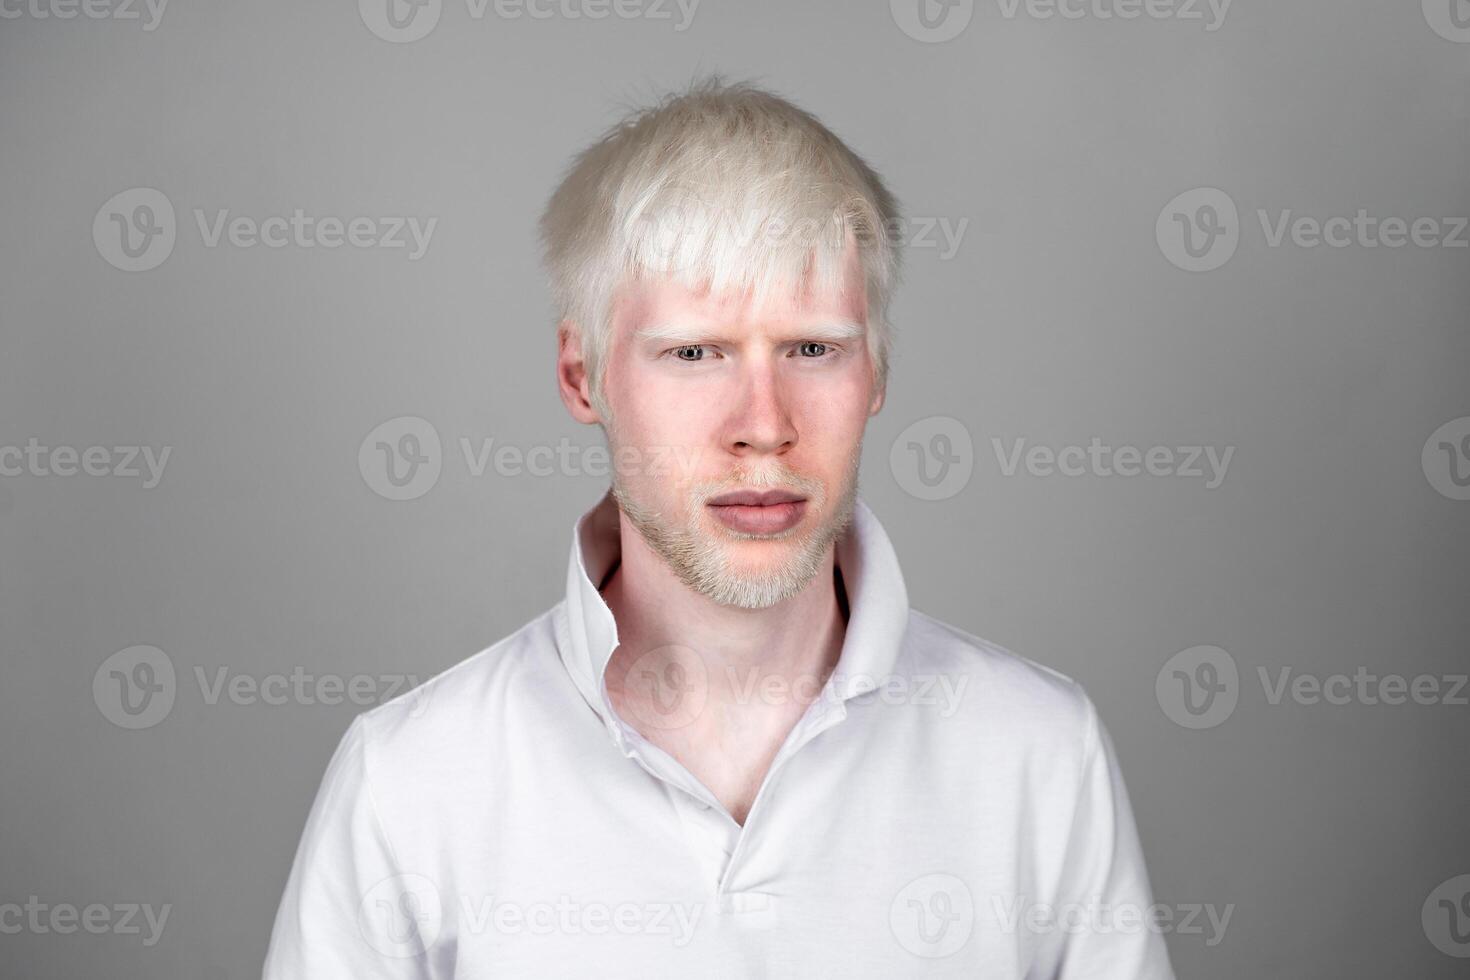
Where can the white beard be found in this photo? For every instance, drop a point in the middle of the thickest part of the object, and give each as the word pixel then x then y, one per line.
pixel 701 558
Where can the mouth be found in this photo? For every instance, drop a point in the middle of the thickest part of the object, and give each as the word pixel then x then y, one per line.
pixel 758 512
pixel 755 498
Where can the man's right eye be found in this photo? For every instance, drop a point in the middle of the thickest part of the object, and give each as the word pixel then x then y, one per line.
pixel 690 352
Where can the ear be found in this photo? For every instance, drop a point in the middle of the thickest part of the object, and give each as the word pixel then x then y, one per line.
pixel 572 379
pixel 880 390
pixel 879 395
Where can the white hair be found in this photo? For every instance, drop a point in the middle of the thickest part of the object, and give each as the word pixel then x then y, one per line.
pixel 725 186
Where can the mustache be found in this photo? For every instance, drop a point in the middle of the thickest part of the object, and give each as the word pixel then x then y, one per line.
pixel 769 477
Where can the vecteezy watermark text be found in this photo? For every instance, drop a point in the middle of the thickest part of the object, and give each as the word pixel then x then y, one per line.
pixel 1200 687
pixel 403 916
pixel 63 918
pixel 1206 463
pixel 1097 917
pixel 934 915
pixel 149 12
pixel 1210 13
pixel 406 21
pixel 937 21
pixel 36 459
pixel 136 688
pixel 934 458
pixel 403 458
pixel 1200 229
pixel 671 685
pixel 136 230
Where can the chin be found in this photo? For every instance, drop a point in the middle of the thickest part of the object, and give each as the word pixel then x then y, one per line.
pixel 761 556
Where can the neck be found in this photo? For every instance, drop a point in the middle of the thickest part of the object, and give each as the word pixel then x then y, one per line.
pixel 756 661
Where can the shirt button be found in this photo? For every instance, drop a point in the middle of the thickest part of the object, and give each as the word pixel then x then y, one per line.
pixel 746 904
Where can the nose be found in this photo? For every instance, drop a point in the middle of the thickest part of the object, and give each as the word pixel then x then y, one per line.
pixel 759 422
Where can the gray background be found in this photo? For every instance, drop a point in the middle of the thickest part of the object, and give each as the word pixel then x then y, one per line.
pixel 1326 549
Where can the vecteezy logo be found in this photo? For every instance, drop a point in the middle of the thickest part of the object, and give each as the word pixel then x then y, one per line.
pixel 933 458
pixel 1199 229
pixel 1198 687
pixel 135 230
pixel 659 230
pixel 1446 459
pixel 667 687
pixel 135 688
pixel 401 459
pixel 932 916
pixel 400 21
pixel 401 916
pixel 1446 917
pixel 1450 19
pixel 932 21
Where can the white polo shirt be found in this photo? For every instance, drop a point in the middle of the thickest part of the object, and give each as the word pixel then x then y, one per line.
pixel 945 808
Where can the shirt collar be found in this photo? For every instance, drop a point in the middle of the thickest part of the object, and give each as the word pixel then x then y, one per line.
pixel 878 605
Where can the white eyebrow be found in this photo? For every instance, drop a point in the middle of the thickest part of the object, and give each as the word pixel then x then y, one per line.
pixel 828 330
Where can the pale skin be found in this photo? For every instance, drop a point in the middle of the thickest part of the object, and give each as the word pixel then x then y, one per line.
pixel 733 390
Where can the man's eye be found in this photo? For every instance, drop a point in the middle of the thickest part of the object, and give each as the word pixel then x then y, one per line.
pixel 813 348
pixel 690 352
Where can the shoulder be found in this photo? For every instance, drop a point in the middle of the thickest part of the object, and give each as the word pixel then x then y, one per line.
pixel 460 708
pixel 998 688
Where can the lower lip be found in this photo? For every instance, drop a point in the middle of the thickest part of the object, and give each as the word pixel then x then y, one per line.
pixel 769 519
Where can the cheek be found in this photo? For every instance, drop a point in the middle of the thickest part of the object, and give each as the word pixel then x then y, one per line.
pixel 830 429
pixel 836 410
pixel 653 413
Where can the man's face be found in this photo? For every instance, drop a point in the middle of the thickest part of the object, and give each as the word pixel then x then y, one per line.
pixel 744 425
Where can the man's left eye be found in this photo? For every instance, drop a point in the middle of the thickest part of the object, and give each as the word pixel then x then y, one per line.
pixel 813 348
